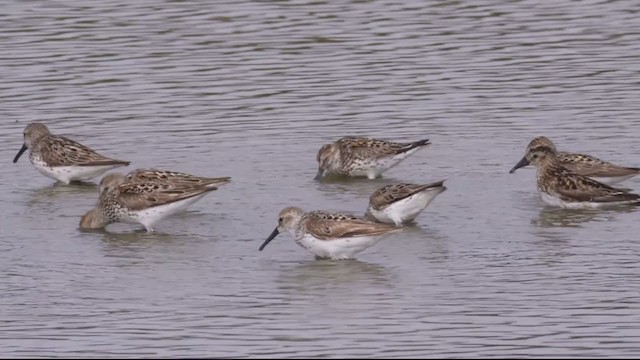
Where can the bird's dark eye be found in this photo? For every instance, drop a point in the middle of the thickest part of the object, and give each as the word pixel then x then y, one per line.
pixel 280 219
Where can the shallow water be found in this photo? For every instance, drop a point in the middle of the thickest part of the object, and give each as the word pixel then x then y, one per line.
pixel 251 90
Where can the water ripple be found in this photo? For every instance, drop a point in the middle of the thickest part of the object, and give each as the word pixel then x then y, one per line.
pixel 251 90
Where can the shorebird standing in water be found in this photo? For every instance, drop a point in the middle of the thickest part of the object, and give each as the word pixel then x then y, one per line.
pixel 63 159
pixel 357 156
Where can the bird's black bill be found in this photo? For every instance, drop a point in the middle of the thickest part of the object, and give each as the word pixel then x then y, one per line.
pixel 271 237
pixel 522 163
pixel 319 174
pixel 24 148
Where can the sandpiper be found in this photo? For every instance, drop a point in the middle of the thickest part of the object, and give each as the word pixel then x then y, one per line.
pixel 357 156
pixel 63 159
pixel 586 165
pixel 560 186
pixel 401 203
pixel 330 235
pixel 145 201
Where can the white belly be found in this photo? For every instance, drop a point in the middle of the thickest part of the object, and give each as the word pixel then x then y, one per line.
pixel 67 174
pixel 387 163
pixel 151 216
pixel 373 168
pixel 337 249
pixel 554 201
pixel 406 209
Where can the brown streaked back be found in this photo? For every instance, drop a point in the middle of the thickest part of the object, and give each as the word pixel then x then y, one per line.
pixel 364 147
pixel 570 186
pixel 139 196
pixel 591 166
pixel 329 226
pixel 61 151
pixel 389 194
pixel 162 176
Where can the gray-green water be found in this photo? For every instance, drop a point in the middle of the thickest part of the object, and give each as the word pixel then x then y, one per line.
pixel 251 90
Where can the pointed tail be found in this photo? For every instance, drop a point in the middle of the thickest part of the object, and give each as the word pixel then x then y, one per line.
pixel 414 145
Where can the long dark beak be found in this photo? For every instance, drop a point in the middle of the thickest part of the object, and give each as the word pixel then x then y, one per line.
pixel 271 237
pixel 522 163
pixel 24 148
pixel 319 174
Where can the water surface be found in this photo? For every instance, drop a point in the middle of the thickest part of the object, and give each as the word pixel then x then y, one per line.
pixel 251 90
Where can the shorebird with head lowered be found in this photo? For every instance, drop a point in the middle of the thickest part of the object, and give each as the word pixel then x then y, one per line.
pixel 358 156
pixel 146 197
pixel 63 159
pixel 586 165
pixel 400 203
pixel 560 186
pixel 330 235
